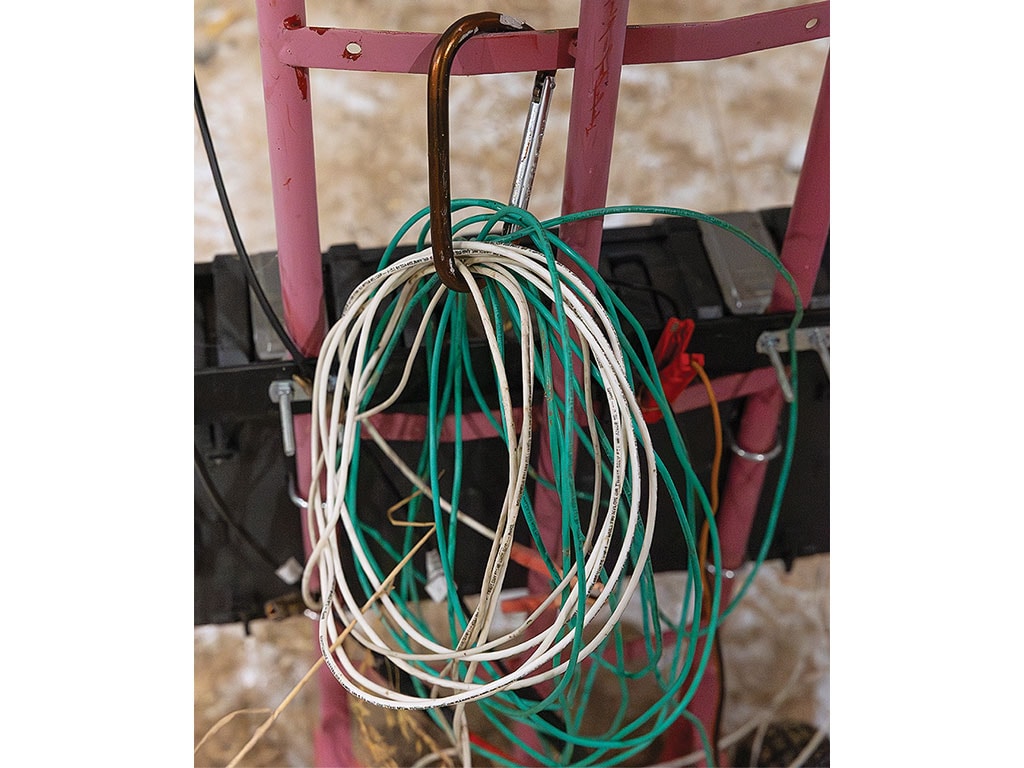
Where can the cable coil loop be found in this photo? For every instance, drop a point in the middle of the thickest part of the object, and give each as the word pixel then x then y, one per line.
pixel 581 589
pixel 581 347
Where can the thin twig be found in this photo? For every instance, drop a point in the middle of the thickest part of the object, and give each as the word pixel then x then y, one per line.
pixel 384 587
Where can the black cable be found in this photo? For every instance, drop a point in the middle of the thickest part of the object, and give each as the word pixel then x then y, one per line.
pixel 229 217
pixel 222 511
pixel 656 292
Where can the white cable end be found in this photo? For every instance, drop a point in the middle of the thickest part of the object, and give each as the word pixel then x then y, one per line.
pixel 290 571
pixel 436 586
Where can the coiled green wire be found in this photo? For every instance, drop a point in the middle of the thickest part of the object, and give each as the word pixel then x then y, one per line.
pixel 447 350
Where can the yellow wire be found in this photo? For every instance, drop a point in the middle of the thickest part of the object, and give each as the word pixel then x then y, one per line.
pixel 716 464
pixel 399 504
pixel 227 719
pixel 702 551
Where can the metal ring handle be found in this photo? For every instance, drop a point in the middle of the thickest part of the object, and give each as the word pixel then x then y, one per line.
pixel 438 158
pixel 755 456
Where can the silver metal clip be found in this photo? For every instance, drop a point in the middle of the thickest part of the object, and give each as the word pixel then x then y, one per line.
pixel 769 344
pixel 772 343
pixel 533 134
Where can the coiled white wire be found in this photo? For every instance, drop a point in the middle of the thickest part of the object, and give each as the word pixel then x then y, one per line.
pixel 339 421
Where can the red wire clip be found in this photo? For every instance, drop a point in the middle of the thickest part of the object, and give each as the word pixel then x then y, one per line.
pixel 674 369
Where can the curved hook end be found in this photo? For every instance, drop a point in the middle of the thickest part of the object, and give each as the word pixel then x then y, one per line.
pixel 437 135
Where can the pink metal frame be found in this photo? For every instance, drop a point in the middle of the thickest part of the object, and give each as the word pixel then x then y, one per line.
pixel 596 51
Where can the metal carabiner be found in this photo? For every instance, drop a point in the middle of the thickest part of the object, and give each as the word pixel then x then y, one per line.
pixel 529 151
pixel 438 159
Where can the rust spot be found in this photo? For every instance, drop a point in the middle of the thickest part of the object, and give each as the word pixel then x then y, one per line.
pixel 319 30
pixel 287 182
pixel 303 80
pixel 293 22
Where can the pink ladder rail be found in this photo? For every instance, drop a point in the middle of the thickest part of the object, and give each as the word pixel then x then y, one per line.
pixel 289 48
pixel 596 50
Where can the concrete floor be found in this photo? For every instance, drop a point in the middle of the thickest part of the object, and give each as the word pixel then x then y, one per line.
pixel 715 136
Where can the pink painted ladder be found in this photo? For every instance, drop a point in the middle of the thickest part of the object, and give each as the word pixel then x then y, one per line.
pixel 596 51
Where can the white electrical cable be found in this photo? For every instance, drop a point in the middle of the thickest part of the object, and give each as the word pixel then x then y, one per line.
pixel 758 742
pixel 432 757
pixel 340 417
pixel 812 744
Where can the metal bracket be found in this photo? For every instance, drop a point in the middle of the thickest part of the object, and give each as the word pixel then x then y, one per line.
pixel 772 343
pixel 284 393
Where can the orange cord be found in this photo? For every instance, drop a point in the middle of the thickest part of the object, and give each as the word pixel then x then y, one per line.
pixel 702 551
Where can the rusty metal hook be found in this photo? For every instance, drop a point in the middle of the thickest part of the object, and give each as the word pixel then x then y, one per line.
pixel 438 159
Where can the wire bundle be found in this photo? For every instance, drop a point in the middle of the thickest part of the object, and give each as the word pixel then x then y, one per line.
pixel 510 675
pixel 584 351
